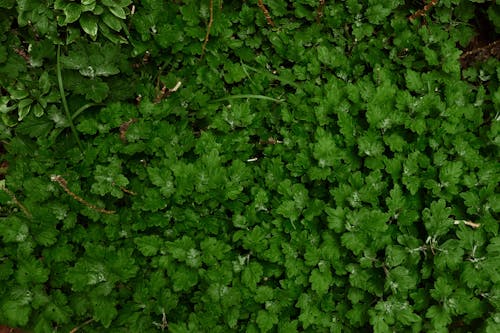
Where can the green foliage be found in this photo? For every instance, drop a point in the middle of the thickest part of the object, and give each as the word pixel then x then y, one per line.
pixel 327 174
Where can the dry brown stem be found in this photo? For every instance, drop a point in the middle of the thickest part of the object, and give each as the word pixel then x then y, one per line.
pixel 480 54
pixel 15 201
pixel 320 10
pixel 124 128
pixel 23 54
pixel 423 11
pixel 74 330
pixel 209 26
pixel 266 13
pixel 64 184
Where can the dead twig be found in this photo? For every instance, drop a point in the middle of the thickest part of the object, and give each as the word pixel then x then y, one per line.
pixel 15 201
pixel 23 54
pixel 74 330
pixel 262 7
pixel 480 54
pixel 165 92
pixel 124 128
pixel 270 141
pixel 423 11
pixel 320 11
pixel 64 184
pixel 468 223
pixel 209 27
pixel 125 190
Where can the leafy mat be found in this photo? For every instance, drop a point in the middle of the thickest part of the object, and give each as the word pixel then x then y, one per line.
pixel 250 166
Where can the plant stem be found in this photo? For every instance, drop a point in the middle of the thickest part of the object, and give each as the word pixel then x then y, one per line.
pixel 64 102
pixel 83 108
pixel 248 96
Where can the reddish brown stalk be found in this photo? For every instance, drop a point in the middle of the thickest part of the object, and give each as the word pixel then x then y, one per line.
pixel 125 190
pixel 23 54
pixel 74 330
pixel 320 11
pixel 17 202
pixel 64 184
pixel 124 128
pixel 266 13
pixel 423 11
pixel 481 54
pixel 209 27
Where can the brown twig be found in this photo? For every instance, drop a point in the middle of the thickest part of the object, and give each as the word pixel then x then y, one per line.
pixel 262 7
pixel 270 141
pixel 480 54
pixel 74 330
pixel 124 128
pixel 320 11
pixel 209 26
pixel 64 184
pixel 125 190
pixel 165 92
pixel 17 202
pixel 23 54
pixel 423 11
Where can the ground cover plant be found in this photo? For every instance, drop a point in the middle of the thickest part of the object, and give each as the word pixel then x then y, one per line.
pixel 250 166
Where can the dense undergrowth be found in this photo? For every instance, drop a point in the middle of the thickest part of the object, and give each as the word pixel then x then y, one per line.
pixel 250 166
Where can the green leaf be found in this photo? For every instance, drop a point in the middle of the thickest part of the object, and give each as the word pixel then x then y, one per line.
pixel 436 218
pixel 88 126
pixel 395 255
pixel 401 280
pixel 88 22
pixel 184 278
pixel 266 320
pixel 44 83
pixel 72 12
pixel 414 81
pixel 31 271
pixel 213 249
pixel 13 229
pixel 38 110
pixel 252 274
pixel 440 318
pixel 370 144
pixel 7 3
pixel 321 280
pixel 148 245
pixel 104 310
pixel 16 312
pixel 450 173
pixel 450 256
pixel 111 21
pixel 95 90
pixel 118 12
pixel 24 107
pixel 109 179
pixel 325 150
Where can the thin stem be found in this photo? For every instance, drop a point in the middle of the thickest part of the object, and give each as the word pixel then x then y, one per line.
pixel 15 200
pixel 64 102
pixel 83 108
pixel 64 184
pixel 248 96
pixel 262 7
pixel 209 26
pixel 74 330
